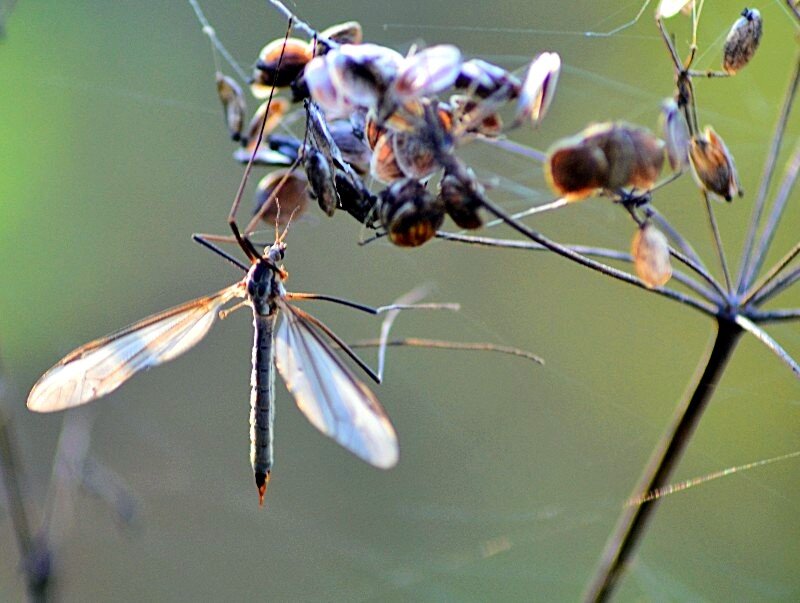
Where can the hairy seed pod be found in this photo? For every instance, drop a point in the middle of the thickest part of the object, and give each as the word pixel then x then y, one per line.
pixel 321 180
pixel 610 155
pixel 460 203
pixel 342 33
pixel 713 166
pixel 650 250
pixel 291 199
pixel 539 87
pixel 742 41
pixel 296 55
pixel 676 135
pixel 409 213
pixel 233 104
pixel 383 165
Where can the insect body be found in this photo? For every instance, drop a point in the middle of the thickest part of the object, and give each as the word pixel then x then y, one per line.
pixel 333 399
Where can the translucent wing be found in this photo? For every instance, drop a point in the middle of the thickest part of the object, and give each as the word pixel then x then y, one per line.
pixel 100 367
pixel 329 395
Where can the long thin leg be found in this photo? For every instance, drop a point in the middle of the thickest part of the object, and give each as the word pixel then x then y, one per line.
pixel 246 245
pixel 203 240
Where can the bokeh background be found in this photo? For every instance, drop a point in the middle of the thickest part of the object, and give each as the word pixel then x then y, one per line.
pixel 512 475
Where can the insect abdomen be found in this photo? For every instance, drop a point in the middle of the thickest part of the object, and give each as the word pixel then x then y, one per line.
pixel 262 396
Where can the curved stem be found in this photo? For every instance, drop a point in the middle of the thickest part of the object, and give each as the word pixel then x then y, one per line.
pixel 598 252
pixel 632 524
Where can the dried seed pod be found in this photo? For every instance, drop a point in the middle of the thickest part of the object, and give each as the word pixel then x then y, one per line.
pixel 670 8
pixel 604 156
pixel 464 109
pixel 364 72
pixel 292 198
pixel 676 135
pixel 648 158
pixel 575 169
pixel 742 41
pixel 383 165
pixel 233 104
pixel 296 55
pixel 460 203
pixel 539 87
pixel 650 250
pixel 427 72
pixel 713 166
pixel 342 33
pixel 409 213
pixel 414 155
pixel 277 109
pixel 321 180
pixel 484 79
pixel 372 130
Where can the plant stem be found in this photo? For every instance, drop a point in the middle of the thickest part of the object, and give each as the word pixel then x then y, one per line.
pixel 632 524
pixel 766 179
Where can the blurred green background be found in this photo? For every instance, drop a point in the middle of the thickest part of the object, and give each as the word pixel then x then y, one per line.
pixel 512 475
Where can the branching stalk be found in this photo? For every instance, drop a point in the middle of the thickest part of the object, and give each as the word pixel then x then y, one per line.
pixel 632 524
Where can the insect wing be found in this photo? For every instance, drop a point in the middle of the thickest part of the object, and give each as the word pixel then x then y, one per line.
pixel 329 395
pixel 100 367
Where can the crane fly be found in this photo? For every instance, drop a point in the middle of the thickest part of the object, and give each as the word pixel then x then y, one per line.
pixel 326 391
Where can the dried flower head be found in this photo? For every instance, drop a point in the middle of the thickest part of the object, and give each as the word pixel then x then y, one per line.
pixel 742 41
pixel 296 54
pixel 609 155
pixel 670 8
pixel 676 135
pixel 233 104
pixel 650 250
pixel 291 199
pixel 539 87
pixel 713 166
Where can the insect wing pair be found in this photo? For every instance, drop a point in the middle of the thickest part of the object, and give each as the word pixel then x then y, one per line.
pixel 333 399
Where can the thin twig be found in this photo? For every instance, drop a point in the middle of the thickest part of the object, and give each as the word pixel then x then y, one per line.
pixel 514 147
pixel 712 222
pixel 778 206
pixel 782 315
pixel 598 252
pixel 417 342
pixel 300 24
pixel 771 275
pixel 777 286
pixel 745 272
pixel 676 236
pixel 632 524
pixel 215 41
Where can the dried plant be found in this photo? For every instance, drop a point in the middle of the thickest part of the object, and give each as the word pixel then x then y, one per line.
pixel 614 160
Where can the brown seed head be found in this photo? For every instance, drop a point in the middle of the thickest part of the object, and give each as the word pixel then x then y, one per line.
pixel 267 74
pixel 650 250
pixel 713 166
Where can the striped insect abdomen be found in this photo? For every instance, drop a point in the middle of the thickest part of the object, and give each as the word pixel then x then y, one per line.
pixel 262 397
